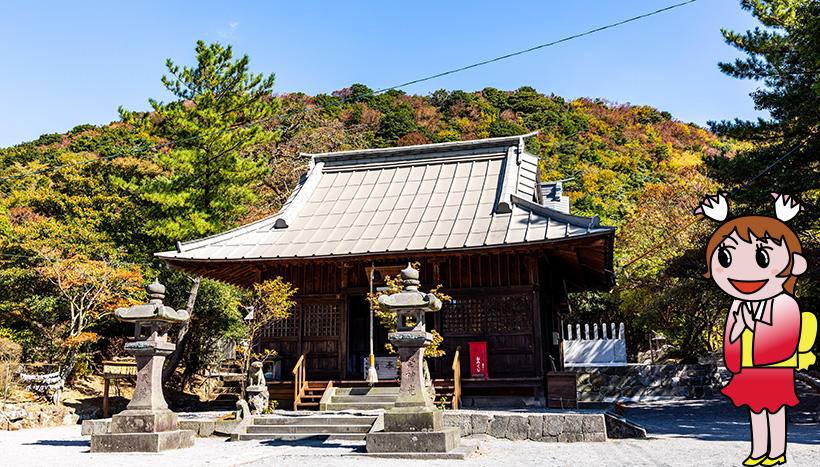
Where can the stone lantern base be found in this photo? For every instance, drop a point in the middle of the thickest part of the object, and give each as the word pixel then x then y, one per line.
pixel 413 430
pixel 143 431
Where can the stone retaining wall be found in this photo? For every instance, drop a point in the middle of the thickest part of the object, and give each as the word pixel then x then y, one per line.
pixel 545 427
pixel 18 416
pixel 646 382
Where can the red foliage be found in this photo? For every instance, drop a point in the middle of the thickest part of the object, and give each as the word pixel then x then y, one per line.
pixel 411 139
pixel 80 339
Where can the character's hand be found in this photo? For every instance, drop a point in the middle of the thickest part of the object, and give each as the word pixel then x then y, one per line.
pixel 714 207
pixel 748 318
pixel 738 326
pixel 785 207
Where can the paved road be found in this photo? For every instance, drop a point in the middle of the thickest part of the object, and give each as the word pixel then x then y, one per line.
pixel 710 432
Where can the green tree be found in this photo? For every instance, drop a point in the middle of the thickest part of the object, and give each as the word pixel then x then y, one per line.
pixel 205 183
pixel 785 57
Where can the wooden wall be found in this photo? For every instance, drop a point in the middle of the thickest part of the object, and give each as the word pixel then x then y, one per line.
pixel 497 299
pixel 453 272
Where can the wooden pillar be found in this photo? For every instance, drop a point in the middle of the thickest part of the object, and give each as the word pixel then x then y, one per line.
pixel 105 397
pixel 344 330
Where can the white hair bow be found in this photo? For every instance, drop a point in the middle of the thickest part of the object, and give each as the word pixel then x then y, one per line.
pixel 714 207
pixel 786 207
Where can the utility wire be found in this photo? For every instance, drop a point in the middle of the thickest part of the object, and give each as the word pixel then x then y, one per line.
pixel 699 217
pixel 359 96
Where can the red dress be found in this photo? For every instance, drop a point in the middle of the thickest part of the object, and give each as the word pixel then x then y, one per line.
pixel 777 331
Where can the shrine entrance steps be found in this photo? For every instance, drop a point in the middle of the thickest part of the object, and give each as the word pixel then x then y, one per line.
pixel 307 427
pixel 313 394
pixel 359 398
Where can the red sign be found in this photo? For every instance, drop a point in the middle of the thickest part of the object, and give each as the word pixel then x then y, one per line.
pixel 478 359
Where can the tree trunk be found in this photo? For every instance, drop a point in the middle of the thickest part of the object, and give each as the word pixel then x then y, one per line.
pixel 68 366
pixel 182 335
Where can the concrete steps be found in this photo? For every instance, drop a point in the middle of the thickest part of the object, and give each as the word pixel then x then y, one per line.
pixel 360 398
pixel 282 429
pixel 297 428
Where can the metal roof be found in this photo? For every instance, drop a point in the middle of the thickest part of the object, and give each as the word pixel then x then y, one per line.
pixel 434 197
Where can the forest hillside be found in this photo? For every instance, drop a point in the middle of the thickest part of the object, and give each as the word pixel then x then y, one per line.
pixel 89 229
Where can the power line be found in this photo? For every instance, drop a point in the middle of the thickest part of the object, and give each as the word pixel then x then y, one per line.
pixel 341 101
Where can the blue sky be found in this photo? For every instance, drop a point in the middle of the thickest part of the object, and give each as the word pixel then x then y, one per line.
pixel 69 63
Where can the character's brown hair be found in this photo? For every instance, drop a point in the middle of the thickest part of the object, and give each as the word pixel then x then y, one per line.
pixel 760 227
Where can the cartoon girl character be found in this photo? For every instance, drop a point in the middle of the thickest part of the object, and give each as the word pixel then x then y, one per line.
pixel 756 260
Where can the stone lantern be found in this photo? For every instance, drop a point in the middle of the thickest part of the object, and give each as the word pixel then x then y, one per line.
pixel 414 425
pixel 147 425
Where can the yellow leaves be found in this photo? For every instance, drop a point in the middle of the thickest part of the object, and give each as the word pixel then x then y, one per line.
pixel 682 159
pixel 464 124
pixel 273 299
pixel 388 318
pixel 449 134
pixel 90 288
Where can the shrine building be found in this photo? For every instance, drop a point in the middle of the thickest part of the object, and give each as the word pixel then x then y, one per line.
pixel 474 214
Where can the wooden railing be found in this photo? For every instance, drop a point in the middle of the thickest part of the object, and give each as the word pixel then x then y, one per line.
pixel 456 378
pixel 115 370
pixel 299 382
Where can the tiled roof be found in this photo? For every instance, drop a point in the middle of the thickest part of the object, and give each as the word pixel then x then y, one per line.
pixel 448 196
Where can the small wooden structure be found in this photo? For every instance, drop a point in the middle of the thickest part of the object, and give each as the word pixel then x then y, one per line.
pixel 115 369
pixel 474 216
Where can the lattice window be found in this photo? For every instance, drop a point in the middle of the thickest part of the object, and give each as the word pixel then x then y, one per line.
pixel 463 316
pixel 283 327
pixel 320 320
pixel 510 313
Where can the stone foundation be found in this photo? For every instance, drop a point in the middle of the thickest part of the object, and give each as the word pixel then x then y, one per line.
pixel 439 441
pixel 142 442
pixel 648 382
pixel 544 427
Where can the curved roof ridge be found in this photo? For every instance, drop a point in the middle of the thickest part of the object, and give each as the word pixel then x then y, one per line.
pixel 314 172
pixel 587 222
pixel 421 148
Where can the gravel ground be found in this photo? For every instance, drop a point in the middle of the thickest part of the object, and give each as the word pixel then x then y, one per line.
pixel 710 432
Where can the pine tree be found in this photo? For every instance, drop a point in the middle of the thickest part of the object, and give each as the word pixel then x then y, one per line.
pixel 205 183
pixel 785 57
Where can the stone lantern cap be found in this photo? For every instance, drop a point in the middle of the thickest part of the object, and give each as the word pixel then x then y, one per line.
pixel 410 298
pixel 154 310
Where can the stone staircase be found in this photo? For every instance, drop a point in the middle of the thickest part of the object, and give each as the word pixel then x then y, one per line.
pixel 224 386
pixel 307 427
pixel 359 398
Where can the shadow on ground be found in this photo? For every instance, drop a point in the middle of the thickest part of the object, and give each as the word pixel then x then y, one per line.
pixel 714 419
pixel 59 442
pixel 317 442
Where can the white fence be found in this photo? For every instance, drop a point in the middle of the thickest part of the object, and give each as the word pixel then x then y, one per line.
pixel 597 349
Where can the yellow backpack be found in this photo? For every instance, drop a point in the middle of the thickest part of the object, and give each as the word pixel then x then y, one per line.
pixel 808 332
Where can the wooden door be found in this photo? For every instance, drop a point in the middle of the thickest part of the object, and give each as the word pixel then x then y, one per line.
pixel 503 318
pixel 322 337
pixel 315 329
